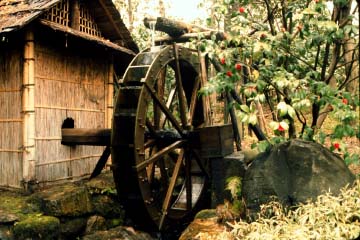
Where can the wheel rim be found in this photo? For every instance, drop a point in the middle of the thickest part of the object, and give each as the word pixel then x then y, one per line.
pixel 158 173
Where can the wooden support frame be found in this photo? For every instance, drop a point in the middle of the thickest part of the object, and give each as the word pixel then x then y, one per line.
pixel 28 107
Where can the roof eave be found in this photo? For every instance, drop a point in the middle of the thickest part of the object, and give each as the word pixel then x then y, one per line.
pixel 87 37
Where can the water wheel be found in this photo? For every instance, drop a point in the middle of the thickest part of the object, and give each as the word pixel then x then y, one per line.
pixel 160 176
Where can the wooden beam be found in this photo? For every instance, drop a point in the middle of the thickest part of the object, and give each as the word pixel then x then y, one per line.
pixel 116 28
pixel 188 36
pixel 86 136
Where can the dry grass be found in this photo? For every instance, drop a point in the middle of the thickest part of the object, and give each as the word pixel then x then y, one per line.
pixel 329 217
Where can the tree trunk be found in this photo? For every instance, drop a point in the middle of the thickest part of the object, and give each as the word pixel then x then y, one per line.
pixel 130 15
pixel 340 15
pixel 171 27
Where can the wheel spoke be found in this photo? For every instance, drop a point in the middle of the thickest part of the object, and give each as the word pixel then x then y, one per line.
pixel 199 163
pixel 193 100
pixel 159 154
pixel 188 180
pixel 168 104
pixel 170 190
pixel 164 108
pixel 160 87
pixel 179 86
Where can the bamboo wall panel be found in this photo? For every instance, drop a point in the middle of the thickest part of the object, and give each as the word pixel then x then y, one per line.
pixel 67 85
pixel 10 118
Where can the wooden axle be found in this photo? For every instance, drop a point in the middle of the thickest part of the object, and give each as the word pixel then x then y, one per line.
pixel 86 136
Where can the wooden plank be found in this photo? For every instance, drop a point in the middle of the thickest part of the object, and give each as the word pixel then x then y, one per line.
pixel 86 136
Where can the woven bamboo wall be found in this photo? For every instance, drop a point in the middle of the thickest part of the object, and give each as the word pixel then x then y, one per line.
pixel 10 117
pixel 68 84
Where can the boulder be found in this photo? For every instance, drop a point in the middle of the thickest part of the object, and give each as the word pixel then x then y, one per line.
pixel 37 227
pixel 107 206
pixel 206 226
pixel 103 183
pixel 6 232
pixel 120 232
pixel 65 200
pixel 71 228
pixel 7 218
pixel 294 172
pixel 95 223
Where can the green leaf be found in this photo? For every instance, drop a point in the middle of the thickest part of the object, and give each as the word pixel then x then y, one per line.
pixel 274 125
pixel 245 108
pixel 263 146
pixel 291 111
pixel 329 25
pixel 282 108
pixel 252 119
pixel 308 11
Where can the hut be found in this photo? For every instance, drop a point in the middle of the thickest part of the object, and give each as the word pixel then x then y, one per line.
pixel 58 59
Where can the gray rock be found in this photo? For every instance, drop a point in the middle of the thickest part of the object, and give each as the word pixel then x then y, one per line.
pixel 6 232
pixel 294 172
pixel 70 228
pixel 6 217
pixel 67 200
pixel 119 233
pixel 107 206
pixel 95 223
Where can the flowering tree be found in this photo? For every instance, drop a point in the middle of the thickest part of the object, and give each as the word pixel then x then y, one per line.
pixel 299 58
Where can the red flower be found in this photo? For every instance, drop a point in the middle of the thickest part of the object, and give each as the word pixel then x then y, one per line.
pixel 238 66
pixel 263 36
pixel 280 128
pixel 336 145
pixel 241 9
pixel 229 74
pixel 222 60
pixel 345 101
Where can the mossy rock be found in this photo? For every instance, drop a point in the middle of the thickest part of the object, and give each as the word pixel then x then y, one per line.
pixel 67 201
pixel 102 184
pixel 114 222
pixel 15 206
pixel 71 228
pixel 206 214
pixel 37 227
pixel 107 206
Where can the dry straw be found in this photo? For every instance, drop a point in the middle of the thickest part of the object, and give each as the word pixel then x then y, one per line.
pixel 329 217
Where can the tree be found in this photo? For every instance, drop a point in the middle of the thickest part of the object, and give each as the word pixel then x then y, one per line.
pixel 300 58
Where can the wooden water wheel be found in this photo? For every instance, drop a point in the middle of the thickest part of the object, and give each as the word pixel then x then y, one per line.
pixel 161 138
pixel 159 174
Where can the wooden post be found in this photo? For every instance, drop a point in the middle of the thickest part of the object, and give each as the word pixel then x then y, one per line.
pixel 28 108
pixel 109 100
pixel 75 15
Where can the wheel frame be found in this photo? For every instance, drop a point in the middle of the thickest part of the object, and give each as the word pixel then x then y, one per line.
pixel 128 151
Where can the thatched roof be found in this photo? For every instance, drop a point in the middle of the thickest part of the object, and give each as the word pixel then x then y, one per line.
pixel 15 14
